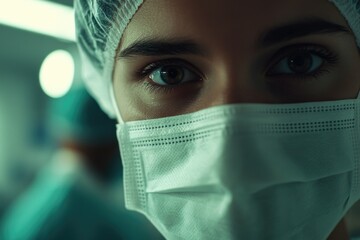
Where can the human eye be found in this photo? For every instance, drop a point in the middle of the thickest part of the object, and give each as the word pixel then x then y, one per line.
pixel 169 74
pixel 303 62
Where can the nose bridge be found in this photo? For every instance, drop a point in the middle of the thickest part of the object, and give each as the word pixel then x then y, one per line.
pixel 229 94
pixel 229 85
pixel 233 84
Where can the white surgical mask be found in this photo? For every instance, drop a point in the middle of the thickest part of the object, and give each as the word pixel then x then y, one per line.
pixel 245 171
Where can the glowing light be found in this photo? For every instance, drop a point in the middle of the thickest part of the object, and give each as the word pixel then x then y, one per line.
pixel 43 17
pixel 57 73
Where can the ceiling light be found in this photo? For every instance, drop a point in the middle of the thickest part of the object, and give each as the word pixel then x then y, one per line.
pixel 57 73
pixel 38 16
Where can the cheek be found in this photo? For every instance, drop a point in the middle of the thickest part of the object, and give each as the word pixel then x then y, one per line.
pixel 130 102
pixel 349 78
pixel 137 103
pixel 126 101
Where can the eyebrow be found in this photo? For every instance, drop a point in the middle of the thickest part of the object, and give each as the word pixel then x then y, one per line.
pixel 162 46
pixel 302 28
pixel 152 46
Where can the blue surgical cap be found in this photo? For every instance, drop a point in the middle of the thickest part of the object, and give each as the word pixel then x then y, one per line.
pixel 99 28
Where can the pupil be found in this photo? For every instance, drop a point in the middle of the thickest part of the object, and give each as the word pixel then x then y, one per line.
pixel 172 74
pixel 300 63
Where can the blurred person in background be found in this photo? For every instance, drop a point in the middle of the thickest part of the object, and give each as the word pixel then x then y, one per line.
pixel 78 194
pixel 236 119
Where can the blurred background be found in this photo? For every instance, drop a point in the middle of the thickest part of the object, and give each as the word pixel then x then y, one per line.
pixel 25 143
pixel 60 168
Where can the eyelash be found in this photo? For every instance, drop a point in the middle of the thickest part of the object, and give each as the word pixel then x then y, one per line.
pixel 327 56
pixel 153 87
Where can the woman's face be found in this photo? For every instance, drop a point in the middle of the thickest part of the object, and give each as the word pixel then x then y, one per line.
pixel 182 56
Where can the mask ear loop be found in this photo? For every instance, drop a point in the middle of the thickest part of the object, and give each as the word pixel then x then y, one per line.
pixel 114 104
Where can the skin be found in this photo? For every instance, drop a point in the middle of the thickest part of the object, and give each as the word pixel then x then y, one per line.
pixel 235 69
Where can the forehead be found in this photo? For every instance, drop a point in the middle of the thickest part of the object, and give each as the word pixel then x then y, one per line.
pixel 222 22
